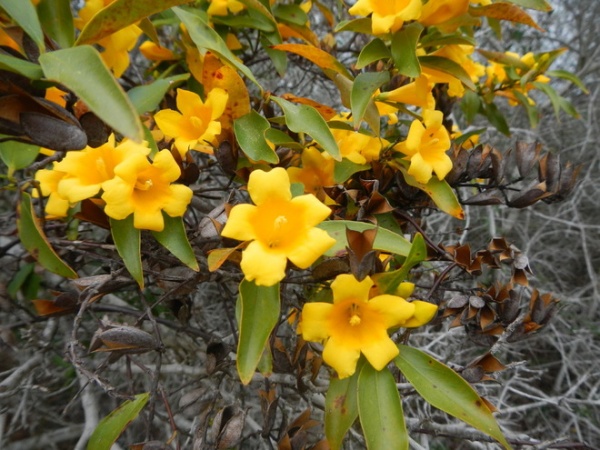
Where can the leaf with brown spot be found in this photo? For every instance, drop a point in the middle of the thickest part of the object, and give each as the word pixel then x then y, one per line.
pixel 341 408
pixel 326 111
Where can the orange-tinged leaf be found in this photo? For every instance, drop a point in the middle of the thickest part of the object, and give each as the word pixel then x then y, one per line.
pixel 218 256
pixel 327 112
pixel 317 56
pixel 288 31
pixel 48 308
pixel 505 11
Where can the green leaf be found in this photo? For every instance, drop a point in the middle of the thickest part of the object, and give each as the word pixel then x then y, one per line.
pixel 127 240
pixel 440 192
pixel 259 314
pixel 290 13
pixel 447 66
pixel 446 390
pixel 27 69
pixel 404 50
pixel 147 97
pixel 121 14
pixel 25 15
pixel 306 119
pixel 250 134
pixel 532 112
pixel 81 70
pixel 495 117
pixel 33 239
pixel 57 21
pixel 380 410
pixel 373 51
pixel 110 428
pixel 17 155
pixel 363 88
pixel 362 25
pixel 540 5
pixel 345 169
pixel 20 280
pixel 385 240
pixel 470 104
pixel 260 8
pixel 206 38
pixel 565 75
pixel 468 135
pixel 341 408
pixel 388 282
pixel 503 58
pixel 174 239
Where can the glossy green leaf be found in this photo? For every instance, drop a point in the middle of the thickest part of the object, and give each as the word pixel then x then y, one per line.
pixel 447 66
pixel 25 15
pixel 552 96
pixel 566 75
pixel 206 38
pixel 503 58
pixel 250 134
pixel 495 117
pixel 363 88
pixel 388 282
pixel 345 169
pixel 110 428
pixel 306 119
pixel 290 13
pixel 470 104
pixel 255 21
pixel 262 9
pixel 82 70
pixel 532 112
pixel 259 313
pixel 385 240
pixel 404 50
pixel 147 97
pixel 174 239
pixel 57 21
pixel 341 408
pixel 34 240
pixel 362 25
pixel 380 410
pixel 440 192
pixel 373 51
pixel 446 390
pixel 121 14
pixel 27 69
pixel 17 155
pixel 127 241
pixel 540 5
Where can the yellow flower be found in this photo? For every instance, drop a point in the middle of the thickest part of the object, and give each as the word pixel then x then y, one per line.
pixel 439 11
pixel 196 126
pixel 461 55
pixel 388 16
pixel 279 227
pixel 316 172
pixel 145 189
pixel 357 147
pixel 417 93
pixel 354 324
pixel 155 52
pixel 57 206
pixel 222 7
pixel 116 46
pixel 425 147
pixel 87 169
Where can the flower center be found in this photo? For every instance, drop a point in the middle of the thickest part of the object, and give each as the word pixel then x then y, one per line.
pixel 101 168
pixel 354 313
pixel 278 224
pixel 143 184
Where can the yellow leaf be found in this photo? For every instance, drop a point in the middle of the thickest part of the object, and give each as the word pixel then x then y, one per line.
pixel 505 11
pixel 327 112
pixel 317 56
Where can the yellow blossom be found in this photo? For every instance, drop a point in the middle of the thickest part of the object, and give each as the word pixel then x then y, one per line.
pixel 116 46
pixel 354 324
pixel 461 55
pixel 439 11
pixel 145 189
pixel 57 206
pixel 360 148
pixel 279 227
pixel 387 16
pixel 87 169
pixel 316 172
pixel 417 93
pixel 196 126
pixel 425 147
pixel 155 52
pixel 223 7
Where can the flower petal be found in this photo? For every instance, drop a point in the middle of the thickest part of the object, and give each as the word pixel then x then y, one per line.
pixel 341 357
pixel 442 166
pixel 180 198
pixel 118 198
pixel 271 185
pixel 345 286
pixel 148 219
pixel 238 224
pixel 217 100
pixel 393 309
pixel 187 102
pixel 165 163
pixel 260 265
pixel 420 169
pixel 169 122
pixel 313 211
pixel 315 319
pixel 315 243
pixel 380 353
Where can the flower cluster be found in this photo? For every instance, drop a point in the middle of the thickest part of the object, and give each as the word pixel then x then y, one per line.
pixel 130 183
